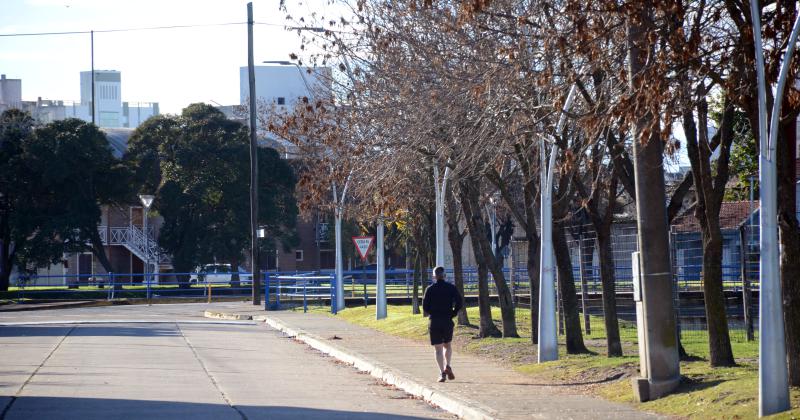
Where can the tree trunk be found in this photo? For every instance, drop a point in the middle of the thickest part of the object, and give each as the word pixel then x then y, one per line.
pixel 533 257
pixel 235 273
pixel 790 244
pixel 709 199
pixel 480 244
pixel 585 254
pixel 456 245
pixel 566 288
pixel 608 282
pixel 6 258
pixel 719 343
pixel 475 227
pixel 533 275
pixel 99 250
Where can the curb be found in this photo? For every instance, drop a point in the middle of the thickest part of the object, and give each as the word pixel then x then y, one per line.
pixel 234 317
pixel 461 407
pixel 46 306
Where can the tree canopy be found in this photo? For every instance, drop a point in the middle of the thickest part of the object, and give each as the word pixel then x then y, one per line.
pixel 197 163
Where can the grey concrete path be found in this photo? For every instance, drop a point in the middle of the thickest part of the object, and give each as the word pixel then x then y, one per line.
pixel 495 390
pixel 177 365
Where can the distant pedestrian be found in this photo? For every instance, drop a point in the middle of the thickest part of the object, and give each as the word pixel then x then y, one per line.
pixel 441 303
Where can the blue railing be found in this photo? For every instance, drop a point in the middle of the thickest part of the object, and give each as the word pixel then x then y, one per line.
pixel 309 285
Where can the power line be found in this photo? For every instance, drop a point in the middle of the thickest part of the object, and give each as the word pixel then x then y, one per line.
pixel 145 28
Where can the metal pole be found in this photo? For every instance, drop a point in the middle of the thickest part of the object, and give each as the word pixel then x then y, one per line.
pixel 773 375
pixel 548 339
pixel 339 281
pixel 548 329
pixel 92 53
pixel 746 303
pixel 440 189
pixel 256 287
pixel 146 255
pixel 380 298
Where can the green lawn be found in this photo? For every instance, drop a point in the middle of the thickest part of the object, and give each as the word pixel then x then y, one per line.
pixel 721 393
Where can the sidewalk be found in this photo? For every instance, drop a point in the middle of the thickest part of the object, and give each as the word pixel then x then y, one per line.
pixel 481 390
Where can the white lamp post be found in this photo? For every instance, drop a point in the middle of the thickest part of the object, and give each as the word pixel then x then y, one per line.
pixel 773 380
pixel 380 280
pixel 147 201
pixel 440 188
pixel 548 339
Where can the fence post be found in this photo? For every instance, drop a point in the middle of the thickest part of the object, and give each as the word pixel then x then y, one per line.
pixel 266 289
pixel 305 301
pixel 333 295
pixel 208 284
pixel 111 289
pixel 676 290
pixel 277 291
pixel 584 287
pixel 746 295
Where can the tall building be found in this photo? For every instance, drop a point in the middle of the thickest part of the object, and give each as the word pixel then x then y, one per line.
pixel 107 95
pixel 10 92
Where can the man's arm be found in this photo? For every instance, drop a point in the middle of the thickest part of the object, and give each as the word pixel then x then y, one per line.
pixel 459 302
pixel 426 303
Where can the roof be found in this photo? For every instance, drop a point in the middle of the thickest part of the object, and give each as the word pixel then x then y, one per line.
pixel 731 215
pixel 118 139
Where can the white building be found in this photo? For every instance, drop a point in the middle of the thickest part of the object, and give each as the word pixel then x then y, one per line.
pixel 282 84
pixel 110 112
pixel 10 92
pixel 107 95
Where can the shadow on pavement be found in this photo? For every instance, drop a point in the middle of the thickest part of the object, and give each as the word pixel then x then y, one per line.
pixel 97 408
pixel 147 330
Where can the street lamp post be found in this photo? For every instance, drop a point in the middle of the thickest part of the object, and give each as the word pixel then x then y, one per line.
pixel 548 339
pixel 440 189
pixel 773 380
pixel 147 201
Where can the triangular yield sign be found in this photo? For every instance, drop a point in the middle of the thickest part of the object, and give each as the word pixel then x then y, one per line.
pixel 363 245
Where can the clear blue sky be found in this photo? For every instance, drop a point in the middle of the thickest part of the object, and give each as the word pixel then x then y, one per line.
pixel 174 67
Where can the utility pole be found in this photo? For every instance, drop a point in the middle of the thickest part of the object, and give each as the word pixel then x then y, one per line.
pixel 658 348
pixel 91 39
pixel 256 291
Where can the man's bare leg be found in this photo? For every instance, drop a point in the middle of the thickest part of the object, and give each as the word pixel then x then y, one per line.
pixel 439 348
pixel 448 354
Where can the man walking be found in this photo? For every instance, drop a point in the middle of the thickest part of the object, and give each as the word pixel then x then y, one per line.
pixel 441 303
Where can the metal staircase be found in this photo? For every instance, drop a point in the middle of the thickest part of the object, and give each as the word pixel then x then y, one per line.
pixel 132 238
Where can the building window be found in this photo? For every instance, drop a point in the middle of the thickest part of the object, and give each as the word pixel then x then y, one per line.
pixel 281 100
pixel 298 255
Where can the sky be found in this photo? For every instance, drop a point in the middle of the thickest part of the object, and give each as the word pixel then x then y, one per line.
pixel 174 67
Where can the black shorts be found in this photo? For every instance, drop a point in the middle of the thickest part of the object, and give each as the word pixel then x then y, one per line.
pixel 441 330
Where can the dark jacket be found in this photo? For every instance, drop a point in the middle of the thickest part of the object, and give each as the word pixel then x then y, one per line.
pixel 442 300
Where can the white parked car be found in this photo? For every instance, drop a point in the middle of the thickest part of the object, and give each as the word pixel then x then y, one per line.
pixel 218 273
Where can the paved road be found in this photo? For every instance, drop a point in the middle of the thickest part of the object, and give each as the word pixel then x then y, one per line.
pixel 185 367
